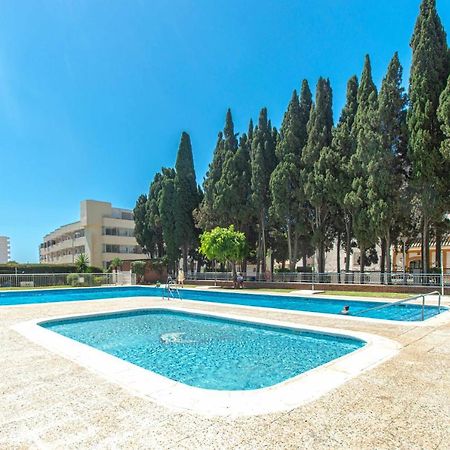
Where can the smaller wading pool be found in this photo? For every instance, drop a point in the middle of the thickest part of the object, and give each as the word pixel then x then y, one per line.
pixel 211 363
pixel 207 352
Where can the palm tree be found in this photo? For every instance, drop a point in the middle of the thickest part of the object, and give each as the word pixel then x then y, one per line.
pixel 116 263
pixel 82 263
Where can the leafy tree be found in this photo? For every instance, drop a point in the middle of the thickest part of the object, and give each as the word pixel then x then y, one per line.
pixel 344 145
pixel 186 197
pixel 224 245
pixel 361 196
pixel 387 178
pixel 82 263
pixel 138 267
pixel 428 75
pixel 316 161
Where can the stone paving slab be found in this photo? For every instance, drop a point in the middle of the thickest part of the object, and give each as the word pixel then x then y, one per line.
pixel 48 402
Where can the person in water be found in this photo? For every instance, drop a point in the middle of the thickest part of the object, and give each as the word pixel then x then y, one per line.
pixel 345 310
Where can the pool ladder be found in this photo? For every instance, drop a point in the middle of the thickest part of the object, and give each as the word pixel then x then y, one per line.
pixel 171 290
pixel 422 296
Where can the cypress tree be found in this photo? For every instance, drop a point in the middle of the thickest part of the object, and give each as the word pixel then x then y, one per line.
pixel 285 187
pixel 344 145
pixel 444 120
pixel 316 162
pixel 153 213
pixel 306 104
pixel 167 201
pixel 263 162
pixel 142 231
pixel 388 176
pixel 361 196
pixel 234 188
pixel 428 75
pixel 210 213
pixel 186 197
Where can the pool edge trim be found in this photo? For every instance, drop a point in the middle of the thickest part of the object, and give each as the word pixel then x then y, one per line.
pixel 283 396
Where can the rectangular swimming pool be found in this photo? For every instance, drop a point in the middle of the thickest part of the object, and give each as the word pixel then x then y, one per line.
pixel 400 312
pixel 204 351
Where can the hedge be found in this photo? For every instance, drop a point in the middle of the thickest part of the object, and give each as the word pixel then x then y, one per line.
pixel 36 268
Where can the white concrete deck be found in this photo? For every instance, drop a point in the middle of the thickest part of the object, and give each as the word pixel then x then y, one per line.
pixel 48 401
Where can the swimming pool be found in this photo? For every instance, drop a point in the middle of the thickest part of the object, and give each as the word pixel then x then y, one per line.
pixel 204 351
pixel 402 312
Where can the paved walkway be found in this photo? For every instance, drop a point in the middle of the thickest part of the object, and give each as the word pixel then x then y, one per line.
pixel 49 402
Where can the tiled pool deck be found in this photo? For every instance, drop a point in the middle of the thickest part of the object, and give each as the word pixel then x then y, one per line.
pixel 47 401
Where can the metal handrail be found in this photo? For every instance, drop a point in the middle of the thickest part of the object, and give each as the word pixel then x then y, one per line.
pixel 415 297
pixel 171 288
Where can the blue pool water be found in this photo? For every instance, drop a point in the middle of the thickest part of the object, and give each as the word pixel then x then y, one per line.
pixel 403 312
pixel 206 352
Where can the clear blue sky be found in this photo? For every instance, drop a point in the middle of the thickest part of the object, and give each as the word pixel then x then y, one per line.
pixel 94 94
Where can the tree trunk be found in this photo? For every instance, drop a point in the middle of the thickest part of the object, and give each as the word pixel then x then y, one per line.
pixel 185 251
pixel 438 246
pixel 348 247
pixel 338 257
pixel 383 259
pixel 426 246
pixel 388 256
pixel 289 242
pixel 263 240
pixel 362 263
pixel 295 251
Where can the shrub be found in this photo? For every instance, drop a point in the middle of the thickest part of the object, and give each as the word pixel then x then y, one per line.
pixel 98 281
pixel 93 269
pixel 73 279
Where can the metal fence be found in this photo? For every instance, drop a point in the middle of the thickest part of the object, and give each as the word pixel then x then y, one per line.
pixel 66 279
pixel 375 278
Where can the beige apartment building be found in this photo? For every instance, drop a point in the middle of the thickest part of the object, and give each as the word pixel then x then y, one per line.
pixel 102 233
pixel 5 250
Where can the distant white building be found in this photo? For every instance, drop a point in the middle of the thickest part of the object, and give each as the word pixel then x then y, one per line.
pixel 5 250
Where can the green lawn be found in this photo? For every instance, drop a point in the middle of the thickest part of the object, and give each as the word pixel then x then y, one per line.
pixel 369 294
pixel 31 288
pixel 393 295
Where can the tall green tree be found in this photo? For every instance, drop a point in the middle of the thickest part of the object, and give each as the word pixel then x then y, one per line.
pixel 263 162
pixel 344 145
pixel 316 171
pixel 444 120
pixel 167 201
pixel 234 188
pixel 153 217
pixel 186 197
pixel 388 175
pixel 142 230
pixel 211 212
pixel 361 195
pixel 288 199
pixel 428 76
